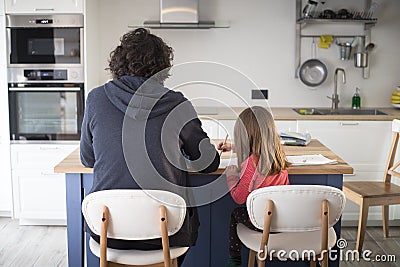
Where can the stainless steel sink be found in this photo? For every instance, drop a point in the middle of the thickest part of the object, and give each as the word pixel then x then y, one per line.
pixel 340 111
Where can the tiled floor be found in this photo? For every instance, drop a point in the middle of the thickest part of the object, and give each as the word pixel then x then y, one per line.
pixel 380 247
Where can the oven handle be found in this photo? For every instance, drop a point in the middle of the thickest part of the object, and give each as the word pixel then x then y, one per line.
pixel 49 89
pixel 8 48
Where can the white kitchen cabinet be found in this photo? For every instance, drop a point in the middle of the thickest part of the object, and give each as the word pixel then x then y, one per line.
pixel 363 144
pixel 5 177
pixel 227 126
pixel 38 192
pixel 217 129
pixel 44 6
pixel 41 196
pixel 2 11
pixel 286 126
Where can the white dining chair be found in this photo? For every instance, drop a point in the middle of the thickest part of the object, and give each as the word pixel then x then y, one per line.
pixel 134 215
pixel 302 217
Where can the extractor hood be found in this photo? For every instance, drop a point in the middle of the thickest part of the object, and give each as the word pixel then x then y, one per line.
pixel 181 14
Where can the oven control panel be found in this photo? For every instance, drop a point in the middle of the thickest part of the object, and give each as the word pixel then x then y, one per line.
pixel 34 74
pixel 50 75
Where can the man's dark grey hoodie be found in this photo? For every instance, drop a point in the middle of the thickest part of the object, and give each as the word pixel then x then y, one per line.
pixel 156 133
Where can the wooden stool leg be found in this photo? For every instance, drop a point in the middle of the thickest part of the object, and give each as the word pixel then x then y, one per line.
pixel 260 263
pixel 385 220
pixel 362 223
pixel 252 257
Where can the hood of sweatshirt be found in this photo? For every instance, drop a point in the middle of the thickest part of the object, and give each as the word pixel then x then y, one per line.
pixel 141 98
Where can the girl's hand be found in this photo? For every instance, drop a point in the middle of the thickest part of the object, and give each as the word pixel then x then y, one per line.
pixel 231 170
pixel 224 147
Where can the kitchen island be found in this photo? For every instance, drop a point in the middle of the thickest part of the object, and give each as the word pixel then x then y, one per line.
pixel 212 245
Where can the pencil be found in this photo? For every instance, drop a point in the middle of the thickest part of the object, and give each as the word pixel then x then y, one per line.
pixel 226 138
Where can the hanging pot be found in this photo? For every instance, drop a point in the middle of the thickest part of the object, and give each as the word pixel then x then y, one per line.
pixel 313 72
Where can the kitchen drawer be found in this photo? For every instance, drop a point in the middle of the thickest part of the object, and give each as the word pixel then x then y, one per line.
pixel 38 156
pixel 356 142
pixel 43 6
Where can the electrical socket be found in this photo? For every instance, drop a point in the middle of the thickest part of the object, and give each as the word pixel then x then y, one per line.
pixel 259 94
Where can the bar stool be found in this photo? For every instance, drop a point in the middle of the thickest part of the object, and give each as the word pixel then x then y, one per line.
pixel 134 215
pixel 303 217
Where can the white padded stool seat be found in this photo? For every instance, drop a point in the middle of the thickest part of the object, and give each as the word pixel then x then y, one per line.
pixel 287 241
pixel 135 257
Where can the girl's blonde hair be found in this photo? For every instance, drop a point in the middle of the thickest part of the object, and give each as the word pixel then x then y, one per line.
pixel 255 133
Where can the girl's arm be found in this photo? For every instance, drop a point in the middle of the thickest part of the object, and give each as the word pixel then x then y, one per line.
pixel 240 190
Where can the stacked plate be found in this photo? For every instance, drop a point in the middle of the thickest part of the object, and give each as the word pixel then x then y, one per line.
pixel 395 98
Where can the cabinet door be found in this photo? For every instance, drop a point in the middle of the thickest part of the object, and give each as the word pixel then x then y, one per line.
pixel 39 193
pixel 43 6
pixel 5 179
pixel 357 142
pixel 362 144
pixel 39 197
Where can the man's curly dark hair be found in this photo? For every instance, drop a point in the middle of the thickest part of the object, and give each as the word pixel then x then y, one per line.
pixel 141 54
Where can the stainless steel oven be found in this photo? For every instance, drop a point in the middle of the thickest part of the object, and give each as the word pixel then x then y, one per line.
pixel 45 110
pixel 45 76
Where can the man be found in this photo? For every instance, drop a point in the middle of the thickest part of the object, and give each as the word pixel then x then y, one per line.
pixel 138 134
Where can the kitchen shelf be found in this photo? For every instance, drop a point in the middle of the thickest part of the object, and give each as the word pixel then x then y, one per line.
pixel 305 21
pixel 301 23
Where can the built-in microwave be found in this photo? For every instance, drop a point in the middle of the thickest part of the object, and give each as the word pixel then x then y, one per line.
pixel 49 40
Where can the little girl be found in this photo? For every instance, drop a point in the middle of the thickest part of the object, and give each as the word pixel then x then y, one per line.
pixel 262 163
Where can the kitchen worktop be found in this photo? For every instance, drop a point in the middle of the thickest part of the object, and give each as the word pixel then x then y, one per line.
pixel 214 214
pixel 72 163
pixel 224 113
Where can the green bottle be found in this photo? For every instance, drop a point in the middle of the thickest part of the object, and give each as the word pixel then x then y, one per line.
pixel 356 100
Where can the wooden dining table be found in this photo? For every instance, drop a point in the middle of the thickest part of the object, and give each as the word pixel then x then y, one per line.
pixel 212 244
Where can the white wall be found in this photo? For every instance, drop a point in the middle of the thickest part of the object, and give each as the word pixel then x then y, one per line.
pixel 261 44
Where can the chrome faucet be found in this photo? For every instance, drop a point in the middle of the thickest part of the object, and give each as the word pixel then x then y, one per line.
pixel 335 96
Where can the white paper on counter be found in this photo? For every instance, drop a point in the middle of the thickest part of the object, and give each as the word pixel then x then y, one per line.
pixel 316 159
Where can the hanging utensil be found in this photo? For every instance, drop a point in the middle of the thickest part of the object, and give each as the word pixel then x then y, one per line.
pixel 313 72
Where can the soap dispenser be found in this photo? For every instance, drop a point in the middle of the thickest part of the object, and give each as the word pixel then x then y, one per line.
pixel 356 100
